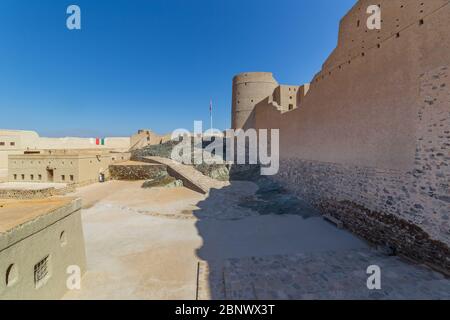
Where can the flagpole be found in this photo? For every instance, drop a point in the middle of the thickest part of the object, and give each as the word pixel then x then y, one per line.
pixel 210 114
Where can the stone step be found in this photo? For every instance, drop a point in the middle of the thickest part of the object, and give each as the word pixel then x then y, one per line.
pixel 334 261
pixel 293 276
pixel 210 281
pixel 323 275
pixel 423 290
pixel 306 283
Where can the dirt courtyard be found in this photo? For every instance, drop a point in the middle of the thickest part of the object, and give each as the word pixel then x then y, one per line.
pixel 146 243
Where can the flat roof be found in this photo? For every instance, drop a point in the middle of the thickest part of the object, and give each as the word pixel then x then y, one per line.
pixel 59 156
pixel 14 213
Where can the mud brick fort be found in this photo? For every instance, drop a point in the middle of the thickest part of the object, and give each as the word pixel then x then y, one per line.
pixel 368 140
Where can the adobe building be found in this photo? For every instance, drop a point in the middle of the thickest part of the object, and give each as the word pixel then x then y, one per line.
pixel 41 245
pixel 77 167
pixel 253 88
pixel 18 141
pixel 369 142
pixel 146 137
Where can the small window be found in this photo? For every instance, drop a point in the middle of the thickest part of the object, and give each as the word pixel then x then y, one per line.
pixel 2 143
pixel 23 177
pixel 41 272
pixel 63 238
pixel 71 177
pixel 12 275
pixel 291 107
pixel 15 177
pixel 12 144
pixel 63 177
pixel 32 176
pixel 40 177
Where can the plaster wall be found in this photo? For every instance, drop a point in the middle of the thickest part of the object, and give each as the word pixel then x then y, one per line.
pixel 77 169
pixel 17 141
pixel 249 89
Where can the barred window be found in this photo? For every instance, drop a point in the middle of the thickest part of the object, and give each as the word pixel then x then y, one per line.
pixel 41 272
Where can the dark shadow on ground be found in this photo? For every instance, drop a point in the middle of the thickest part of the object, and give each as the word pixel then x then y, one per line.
pixel 256 217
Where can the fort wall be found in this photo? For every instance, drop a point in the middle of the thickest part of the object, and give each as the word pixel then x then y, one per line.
pixel 248 90
pixel 372 133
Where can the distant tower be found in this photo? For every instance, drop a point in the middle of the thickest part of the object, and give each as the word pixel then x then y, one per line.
pixel 248 90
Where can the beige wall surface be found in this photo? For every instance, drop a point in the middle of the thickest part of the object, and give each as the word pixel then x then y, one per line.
pixel 364 113
pixel 30 140
pixel 249 89
pixel 77 168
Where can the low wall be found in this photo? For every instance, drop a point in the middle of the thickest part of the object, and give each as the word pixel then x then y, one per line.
pixel 35 194
pixel 386 207
pixel 136 171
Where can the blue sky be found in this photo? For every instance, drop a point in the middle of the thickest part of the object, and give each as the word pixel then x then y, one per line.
pixel 150 64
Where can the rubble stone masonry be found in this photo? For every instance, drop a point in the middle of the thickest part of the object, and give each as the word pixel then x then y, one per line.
pixel 409 211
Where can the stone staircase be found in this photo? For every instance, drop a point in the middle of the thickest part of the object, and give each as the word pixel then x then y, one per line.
pixel 320 275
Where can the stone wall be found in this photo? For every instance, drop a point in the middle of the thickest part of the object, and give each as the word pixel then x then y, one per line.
pixel 35 194
pixel 386 207
pixel 407 210
pixel 137 172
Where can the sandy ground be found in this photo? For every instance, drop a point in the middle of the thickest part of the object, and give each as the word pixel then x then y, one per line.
pixel 146 243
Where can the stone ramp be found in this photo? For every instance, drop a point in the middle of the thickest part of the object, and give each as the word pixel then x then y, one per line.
pixel 325 275
pixel 192 178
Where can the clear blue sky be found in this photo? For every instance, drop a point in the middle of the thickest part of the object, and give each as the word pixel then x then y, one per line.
pixel 150 64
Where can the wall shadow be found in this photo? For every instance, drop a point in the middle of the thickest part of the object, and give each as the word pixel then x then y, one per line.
pixel 253 216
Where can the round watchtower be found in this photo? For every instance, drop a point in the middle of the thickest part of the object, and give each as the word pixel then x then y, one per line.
pixel 249 89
